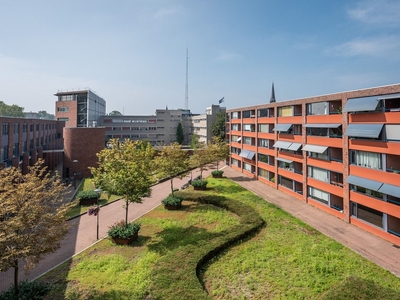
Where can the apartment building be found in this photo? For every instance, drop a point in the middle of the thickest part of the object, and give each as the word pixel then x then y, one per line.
pixel 24 141
pixel 339 152
pixel 79 108
pixel 201 124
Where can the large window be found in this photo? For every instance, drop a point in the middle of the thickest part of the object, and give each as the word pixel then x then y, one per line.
pixel 286 182
pixel 318 195
pixel 366 191
pixel 5 128
pixel 235 127
pixel 323 155
pixel 263 173
pixel 263 143
pixel 235 138
pixel 367 214
pixel 320 108
pixel 248 167
pixel 262 113
pixel 235 150
pixel 285 111
pixel 367 159
pixel 235 162
pixel 264 128
pixel 248 140
pixel 318 173
pixel 235 115
pixel 249 127
pixel 263 158
pixel 62 108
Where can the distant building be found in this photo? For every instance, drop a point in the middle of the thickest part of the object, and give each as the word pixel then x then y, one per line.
pixel 161 128
pixel 79 108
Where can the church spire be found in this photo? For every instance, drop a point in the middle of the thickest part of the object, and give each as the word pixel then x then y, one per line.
pixel 272 100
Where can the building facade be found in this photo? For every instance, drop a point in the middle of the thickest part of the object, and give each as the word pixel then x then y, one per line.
pixel 24 141
pixel 201 124
pixel 79 108
pixel 339 152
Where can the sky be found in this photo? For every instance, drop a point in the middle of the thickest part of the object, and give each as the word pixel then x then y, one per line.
pixel 133 53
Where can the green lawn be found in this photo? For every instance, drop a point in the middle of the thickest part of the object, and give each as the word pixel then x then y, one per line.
pixel 284 259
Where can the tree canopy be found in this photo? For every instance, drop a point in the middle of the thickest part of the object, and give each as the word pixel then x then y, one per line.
pixel 125 169
pixel 179 134
pixel 218 128
pixel 11 110
pixel 42 114
pixel 219 149
pixel 172 162
pixel 115 113
pixel 32 217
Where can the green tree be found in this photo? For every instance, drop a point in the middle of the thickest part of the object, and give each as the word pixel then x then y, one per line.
pixel 125 169
pixel 42 114
pixel 115 113
pixel 220 150
pixel 32 217
pixel 202 158
pixel 218 128
pixel 195 141
pixel 179 134
pixel 11 110
pixel 172 162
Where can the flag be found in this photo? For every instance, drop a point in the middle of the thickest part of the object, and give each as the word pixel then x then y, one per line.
pixel 221 100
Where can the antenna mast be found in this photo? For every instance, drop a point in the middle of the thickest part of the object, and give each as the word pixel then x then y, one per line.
pixel 187 79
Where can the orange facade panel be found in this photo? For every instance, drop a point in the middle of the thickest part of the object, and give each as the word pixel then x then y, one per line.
pixel 290 138
pixel 290 120
pixel 381 118
pixel 236 121
pixel 325 119
pixel 377 204
pixel 290 175
pixel 325 164
pixel 325 186
pixel 235 132
pixel 290 156
pixel 249 121
pixel 325 141
pixel 249 134
pixel 266 120
pixel 235 144
pixel 266 135
pixel 249 147
pixel 266 151
pixel 326 208
pixel 375 146
pixel 266 166
pixel 373 174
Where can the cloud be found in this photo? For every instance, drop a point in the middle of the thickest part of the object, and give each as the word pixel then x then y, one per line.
pixel 377 12
pixel 228 56
pixel 169 11
pixel 388 46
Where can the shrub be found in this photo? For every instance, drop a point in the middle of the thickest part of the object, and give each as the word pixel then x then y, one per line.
pixel 172 200
pixel 121 230
pixel 217 173
pixel 33 290
pixel 199 183
pixel 87 195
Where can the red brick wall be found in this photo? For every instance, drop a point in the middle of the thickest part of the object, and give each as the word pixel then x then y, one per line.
pixel 71 114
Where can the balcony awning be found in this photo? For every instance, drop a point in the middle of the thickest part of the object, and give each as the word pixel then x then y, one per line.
pixel 284 160
pixel 392 132
pixel 365 183
pixel 361 104
pixel 282 127
pixel 315 148
pixel 391 190
pixel 247 154
pixel 390 96
pixel 364 130
pixel 294 146
pixel 322 125
pixel 282 145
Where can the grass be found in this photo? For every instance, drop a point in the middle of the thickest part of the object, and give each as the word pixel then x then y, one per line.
pixel 285 259
pixel 88 185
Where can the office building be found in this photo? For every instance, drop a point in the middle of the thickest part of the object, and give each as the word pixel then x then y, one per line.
pixel 339 152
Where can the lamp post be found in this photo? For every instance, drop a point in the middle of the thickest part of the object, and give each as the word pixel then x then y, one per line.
pixel 98 192
pixel 75 161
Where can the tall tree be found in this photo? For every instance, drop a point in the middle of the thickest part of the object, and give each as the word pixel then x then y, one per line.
pixel 125 169
pixel 218 128
pixel 195 141
pixel 32 217
pixel 115 113
pixel 179 134
pixel 201 158
pixel 172 162
pixel 220 150
pixel 11 110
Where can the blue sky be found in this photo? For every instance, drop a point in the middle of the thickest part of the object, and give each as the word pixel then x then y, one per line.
pixel 133 53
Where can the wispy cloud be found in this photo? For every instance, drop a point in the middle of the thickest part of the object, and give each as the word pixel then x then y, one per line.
pixel 388 46
pixel 168 11
pixel 377 12
pixel 228 56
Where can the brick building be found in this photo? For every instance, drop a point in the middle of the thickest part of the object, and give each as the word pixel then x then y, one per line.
pixel 339 152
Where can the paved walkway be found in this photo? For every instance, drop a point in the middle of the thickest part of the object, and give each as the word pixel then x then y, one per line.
pixel 375 249
pixel 83 232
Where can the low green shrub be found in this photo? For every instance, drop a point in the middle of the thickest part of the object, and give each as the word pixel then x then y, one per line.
pixel 28 290
pixel 172 200
pixel 199 183
pixel 121 230
pixel 87 195
pixel 217 173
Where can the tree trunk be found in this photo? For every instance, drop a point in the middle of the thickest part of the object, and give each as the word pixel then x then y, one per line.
pixel 16 290
pixel 172 187
pixel 126 212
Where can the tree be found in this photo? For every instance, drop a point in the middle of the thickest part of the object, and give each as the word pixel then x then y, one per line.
pixel 42 114
pixel 32 217
pixel 218 128
pixel 125 169
pixel 179 134
pixel 195 141
pixel 11 110
pixel 172 162
pixel 201 158
pixel 220 150
pixel 115 113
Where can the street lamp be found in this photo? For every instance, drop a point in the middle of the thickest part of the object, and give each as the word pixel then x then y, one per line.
pixel 75 161
pixel 98 192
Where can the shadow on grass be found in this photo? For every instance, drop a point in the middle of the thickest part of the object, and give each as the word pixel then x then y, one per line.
pixel 356 288
pixel 242 178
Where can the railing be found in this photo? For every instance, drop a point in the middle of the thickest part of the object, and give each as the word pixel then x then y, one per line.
pixel 337 183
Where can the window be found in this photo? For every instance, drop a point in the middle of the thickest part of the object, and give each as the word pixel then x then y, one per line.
pixel 5 153
pixel 236 115
pixel 63 119
pixel 248 167
pixel 262 113
pixel 263 173
pixel 235 127
pixel 235 162
pixel 320 108
pixel 5 128
pixel 366 191
pixel 286 182
pixel 367 159
pixel 263 158
pixel 16 149
pixel 248 140
pixel 318 195
pixel 16 127
pixel 263 128
pixel 235 138
pixel 62 109
pixel 249 127
pixel 263 143
pixel 324 155
pixel 285 111
pixel 319 174
pixel 235 150
pixel 367 214
pixel 25 127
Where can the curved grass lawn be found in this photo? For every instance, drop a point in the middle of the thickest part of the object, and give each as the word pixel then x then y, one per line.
pixel 285 259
